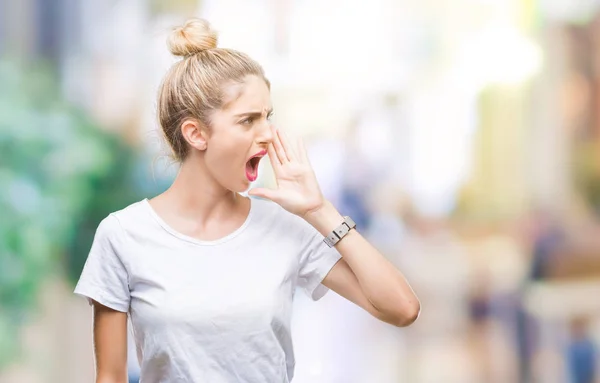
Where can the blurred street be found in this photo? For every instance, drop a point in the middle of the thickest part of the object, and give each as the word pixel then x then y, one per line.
pixel 462 136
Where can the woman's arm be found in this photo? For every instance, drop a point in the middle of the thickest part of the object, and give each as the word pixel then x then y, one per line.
pixel 110 344
pixel 364 276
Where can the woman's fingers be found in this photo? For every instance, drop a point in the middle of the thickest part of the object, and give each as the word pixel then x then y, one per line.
pixel 275 162
pixel 287 146
pixel 279 149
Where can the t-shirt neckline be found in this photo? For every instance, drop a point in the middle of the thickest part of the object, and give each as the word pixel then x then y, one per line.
pixel 197 241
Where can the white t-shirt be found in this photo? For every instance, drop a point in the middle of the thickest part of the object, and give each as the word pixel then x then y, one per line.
pixel 208 311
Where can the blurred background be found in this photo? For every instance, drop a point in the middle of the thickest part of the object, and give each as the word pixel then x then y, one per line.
pixel 463 137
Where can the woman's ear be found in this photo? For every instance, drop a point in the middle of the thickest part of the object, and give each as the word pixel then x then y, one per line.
pixel 195 134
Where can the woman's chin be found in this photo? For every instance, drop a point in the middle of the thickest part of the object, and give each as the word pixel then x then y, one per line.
pixel 239 186
pixel 244 186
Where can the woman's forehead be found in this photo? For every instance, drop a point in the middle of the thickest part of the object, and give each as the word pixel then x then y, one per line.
pixel 253 94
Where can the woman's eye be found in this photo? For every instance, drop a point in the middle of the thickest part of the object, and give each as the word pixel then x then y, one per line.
pixel 270 116
pixel 247 121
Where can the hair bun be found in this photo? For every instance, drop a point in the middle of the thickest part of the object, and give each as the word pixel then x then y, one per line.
pixel 195 36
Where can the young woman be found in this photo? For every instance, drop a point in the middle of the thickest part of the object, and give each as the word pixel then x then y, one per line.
pixel 207 275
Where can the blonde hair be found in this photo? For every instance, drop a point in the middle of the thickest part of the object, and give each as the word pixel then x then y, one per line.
pixel 193 86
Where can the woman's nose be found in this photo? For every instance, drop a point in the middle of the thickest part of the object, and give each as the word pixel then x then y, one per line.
pixel 267 132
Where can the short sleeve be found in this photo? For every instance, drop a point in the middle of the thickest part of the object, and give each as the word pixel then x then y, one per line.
pixel 104 277
pixel 316 260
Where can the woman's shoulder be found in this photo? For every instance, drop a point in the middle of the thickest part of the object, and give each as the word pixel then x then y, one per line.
pixel 132 210
pixel 130 215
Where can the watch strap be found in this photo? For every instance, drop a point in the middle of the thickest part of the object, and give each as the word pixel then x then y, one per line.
pixel 340 232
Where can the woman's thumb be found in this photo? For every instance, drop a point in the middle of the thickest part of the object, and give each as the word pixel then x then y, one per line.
pixel 263 193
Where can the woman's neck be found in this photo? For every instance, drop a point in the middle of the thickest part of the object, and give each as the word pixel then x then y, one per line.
pixel 196 195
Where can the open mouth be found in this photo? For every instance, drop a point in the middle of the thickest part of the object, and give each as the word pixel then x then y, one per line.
pixel 252 166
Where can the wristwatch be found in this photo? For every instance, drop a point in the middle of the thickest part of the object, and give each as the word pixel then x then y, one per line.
pixel 340 232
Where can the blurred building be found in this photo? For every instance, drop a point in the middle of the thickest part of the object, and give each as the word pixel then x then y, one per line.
pixel 480 115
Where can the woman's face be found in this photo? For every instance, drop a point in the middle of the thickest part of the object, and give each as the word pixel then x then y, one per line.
pixel 240 133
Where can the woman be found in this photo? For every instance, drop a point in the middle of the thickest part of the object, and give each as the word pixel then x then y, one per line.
pixel 207 275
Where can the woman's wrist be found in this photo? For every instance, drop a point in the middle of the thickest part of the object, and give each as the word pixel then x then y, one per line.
pixel 325 218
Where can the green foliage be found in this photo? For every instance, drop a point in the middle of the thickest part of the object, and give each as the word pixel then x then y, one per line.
pixel 59 175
